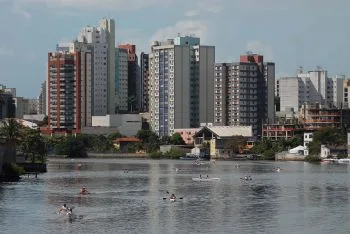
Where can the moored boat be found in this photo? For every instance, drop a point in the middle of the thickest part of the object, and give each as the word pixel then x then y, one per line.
pixel 205 179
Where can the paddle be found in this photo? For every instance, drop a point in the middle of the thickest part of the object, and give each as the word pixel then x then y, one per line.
pixel 164 198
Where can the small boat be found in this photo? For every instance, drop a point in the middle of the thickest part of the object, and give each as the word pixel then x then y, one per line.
pixel 172 199
pixel 344 161
pixel 205 179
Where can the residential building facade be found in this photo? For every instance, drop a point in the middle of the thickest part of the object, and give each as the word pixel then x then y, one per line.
pixel 144 89
pixel 69 91
pixel 310 87
pixel 180 84
pixel 315 116
pixel 121 79
pixel 102 39
pixel 42 99
pixel 244 93
pixel 133 81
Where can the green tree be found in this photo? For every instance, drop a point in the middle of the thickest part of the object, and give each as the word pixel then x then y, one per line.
pixel 330 136
pixel 10 136
pixel 176 139
pixel 11 132
pixel 165 140
pixel 236 144
pixel 149 139
pixel 114 136
pixel 174 153
pixel 75 148
pixel 296 141
pixel 34 145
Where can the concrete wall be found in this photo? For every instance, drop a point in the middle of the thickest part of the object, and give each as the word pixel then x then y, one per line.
pixel 126 124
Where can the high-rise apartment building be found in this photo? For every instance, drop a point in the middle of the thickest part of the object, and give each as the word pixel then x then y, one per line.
pixel 109 26
pixel 69 87
pixel 310 87
pixel 244 93
pixel 42 99
pixel 121 79
pixel 133 81
pixel 181 81
pixel 102 39
pixel 7 106
pixel 346 92
pixel 144 73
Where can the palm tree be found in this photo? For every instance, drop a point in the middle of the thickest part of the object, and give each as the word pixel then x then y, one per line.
pixel 10 135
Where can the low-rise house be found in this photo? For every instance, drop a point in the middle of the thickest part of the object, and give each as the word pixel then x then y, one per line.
pixel 187 134
pixel 123 143
pixel 218 138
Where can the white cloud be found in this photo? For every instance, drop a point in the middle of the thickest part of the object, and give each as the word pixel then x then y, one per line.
pixel 184 27
pixel 17 8
pixel 215 9
pixel 191 13
pixel 259 47
pixel 6 52
pixel 100 4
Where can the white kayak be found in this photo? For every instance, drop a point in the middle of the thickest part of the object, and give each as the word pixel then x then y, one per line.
pixel 172 199
pixel 205 179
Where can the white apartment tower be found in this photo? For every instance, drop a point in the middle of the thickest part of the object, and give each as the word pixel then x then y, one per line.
pixel 181 81
pixel 102 38
pixel 313 87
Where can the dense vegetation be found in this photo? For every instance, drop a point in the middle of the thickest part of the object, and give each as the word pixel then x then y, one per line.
pixel 330 137
pixel 267 148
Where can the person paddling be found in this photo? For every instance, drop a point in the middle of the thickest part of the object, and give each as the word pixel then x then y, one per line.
pixel 172 196
pixel 84 190
pixel 63 208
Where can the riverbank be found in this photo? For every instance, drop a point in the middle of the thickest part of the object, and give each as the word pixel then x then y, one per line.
pixel 108 155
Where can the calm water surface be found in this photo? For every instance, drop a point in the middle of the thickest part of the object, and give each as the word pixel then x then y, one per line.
pixel 301 198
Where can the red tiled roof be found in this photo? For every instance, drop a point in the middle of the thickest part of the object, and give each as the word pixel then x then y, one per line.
pixel 127 139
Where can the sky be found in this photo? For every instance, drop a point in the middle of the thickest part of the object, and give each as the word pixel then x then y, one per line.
pixel 290 33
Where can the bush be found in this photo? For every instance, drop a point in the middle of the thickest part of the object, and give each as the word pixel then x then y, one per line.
pixel 174 153
pixel 340 156
pixel 313 158
pixel 11 172
pixel 268 155
pixel 156 155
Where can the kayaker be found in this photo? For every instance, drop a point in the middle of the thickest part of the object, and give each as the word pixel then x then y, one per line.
pixel 84 190
pixel 63 208
pixel 172 196
pixel 200 176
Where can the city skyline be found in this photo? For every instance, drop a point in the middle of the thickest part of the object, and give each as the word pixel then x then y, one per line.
pixel 284 32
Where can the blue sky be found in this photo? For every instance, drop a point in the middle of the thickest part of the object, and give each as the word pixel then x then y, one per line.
pixel 289 32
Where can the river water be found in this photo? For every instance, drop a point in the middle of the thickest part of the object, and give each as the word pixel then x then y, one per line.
pixel 127 197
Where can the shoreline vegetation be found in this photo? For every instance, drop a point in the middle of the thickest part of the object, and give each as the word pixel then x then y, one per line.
pixel 35 148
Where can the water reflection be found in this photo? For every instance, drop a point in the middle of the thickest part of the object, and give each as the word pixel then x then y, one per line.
pixel 127 197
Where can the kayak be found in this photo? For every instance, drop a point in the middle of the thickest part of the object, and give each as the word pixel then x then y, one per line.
pixel 172 199
pixel 65 213
pixel 205 179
